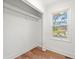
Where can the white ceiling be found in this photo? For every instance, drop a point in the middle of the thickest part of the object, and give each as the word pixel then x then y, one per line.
pixel 42 4
pixel 47 2
pixel 37 4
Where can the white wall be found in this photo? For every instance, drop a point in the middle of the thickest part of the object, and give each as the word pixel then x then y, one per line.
pixel 49 42
pixel 20 34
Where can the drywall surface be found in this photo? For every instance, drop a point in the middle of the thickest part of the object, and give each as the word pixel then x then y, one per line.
pixel 49 42
pixel 21 33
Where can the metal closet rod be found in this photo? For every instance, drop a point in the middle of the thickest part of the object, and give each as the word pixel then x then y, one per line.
pixel 15 9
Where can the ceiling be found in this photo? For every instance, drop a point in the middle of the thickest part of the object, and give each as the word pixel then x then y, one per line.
pixel 47 2
pixel 43 4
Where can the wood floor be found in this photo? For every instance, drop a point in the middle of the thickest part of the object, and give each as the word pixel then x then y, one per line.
pixel 37 53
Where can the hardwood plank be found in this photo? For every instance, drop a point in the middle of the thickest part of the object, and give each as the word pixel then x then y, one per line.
pixel 37 53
